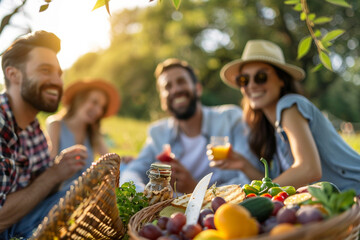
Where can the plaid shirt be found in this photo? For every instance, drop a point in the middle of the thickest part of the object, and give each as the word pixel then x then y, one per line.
pixel 24 153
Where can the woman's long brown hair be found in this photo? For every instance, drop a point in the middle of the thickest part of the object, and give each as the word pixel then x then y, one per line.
pixel 93 130
pixel 262 133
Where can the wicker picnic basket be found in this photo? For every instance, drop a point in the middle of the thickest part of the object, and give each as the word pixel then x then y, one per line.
pixel 345 226
pixel 89 210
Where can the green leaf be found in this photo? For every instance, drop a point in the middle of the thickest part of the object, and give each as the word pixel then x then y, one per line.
pixel 327 188
pixel 322 20
pixel 297 7
pixel 317 33
pixel 291 2
pixel 311 16
pixel 304 46
pixel 302 16
pixel 346 199
pixel 176 3
pixel 100 3
pixel 318 193
pixel 43 7
pixel 340 3
pixel 325 59
pixel 332 35
pixel 317 67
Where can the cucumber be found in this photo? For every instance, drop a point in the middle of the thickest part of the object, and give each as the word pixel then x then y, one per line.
pixel 259 207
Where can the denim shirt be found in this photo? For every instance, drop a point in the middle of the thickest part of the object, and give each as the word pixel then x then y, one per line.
pixel 223 120
pixel 340 164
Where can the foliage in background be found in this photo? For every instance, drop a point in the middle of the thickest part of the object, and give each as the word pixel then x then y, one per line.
pixel 208 34
pixel 322 41
pixel 101 3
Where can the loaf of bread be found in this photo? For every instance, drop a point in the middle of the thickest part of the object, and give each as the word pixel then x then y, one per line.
pixel 231 193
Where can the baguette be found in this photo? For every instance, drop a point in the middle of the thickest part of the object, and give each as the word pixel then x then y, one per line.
pixel 230 193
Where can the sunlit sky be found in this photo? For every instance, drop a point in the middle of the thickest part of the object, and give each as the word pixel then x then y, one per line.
pixel 80 29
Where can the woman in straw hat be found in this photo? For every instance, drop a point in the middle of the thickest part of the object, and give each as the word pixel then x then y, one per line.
pixel 86 103
pixel 286 128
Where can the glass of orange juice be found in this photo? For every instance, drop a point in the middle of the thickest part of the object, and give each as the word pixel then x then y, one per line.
pixel 220 147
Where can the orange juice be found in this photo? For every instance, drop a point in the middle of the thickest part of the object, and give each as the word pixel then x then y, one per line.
pixel 220 152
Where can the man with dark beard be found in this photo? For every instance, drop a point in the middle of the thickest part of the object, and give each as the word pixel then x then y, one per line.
pixel 188 132
pixel 29 178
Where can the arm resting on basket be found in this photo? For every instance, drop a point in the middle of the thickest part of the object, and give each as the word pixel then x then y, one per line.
pixel 21 202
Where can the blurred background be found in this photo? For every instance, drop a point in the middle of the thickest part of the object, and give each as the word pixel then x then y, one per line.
pixel 124 48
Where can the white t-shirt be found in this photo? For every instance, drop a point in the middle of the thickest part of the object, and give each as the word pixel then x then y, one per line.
pixel 195 158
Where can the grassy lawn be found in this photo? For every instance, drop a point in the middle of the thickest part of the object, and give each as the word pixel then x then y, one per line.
pixel 126 136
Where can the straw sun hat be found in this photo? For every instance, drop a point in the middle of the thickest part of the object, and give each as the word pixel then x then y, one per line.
pixel 259 50
pixel 96 84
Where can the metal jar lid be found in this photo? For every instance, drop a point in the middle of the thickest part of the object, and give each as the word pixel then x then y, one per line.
pixel 159 169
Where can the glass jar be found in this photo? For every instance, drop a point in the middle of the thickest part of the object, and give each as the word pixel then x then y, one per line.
pixel 158 188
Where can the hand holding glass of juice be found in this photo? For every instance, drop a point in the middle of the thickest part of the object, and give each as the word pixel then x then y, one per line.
pixel 220 147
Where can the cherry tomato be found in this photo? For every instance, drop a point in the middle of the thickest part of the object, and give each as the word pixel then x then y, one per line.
pixel 250 195
pixel 283 194
pixel 278 198
pixel 268 195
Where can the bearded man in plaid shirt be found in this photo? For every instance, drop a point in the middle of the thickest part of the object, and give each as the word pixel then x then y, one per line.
pixel 29 178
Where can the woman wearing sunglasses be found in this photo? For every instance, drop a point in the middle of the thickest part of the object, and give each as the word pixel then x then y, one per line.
pixel 301 145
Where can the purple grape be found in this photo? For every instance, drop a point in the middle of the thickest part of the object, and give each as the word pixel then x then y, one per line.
pixel 209 221
pixel 203 214
pixel 269 224
pixel 286 215
pixel 175 223
pixel 308 215
pixel 277 206
pixel 190 231
pixel 162 221
pixel 150 231
pixel 216 203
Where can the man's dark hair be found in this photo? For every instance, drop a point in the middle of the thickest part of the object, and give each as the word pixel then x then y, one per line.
pixel 17 53
pixel 174 62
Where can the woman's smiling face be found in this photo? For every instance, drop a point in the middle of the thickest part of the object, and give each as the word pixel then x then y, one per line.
pixel 262 96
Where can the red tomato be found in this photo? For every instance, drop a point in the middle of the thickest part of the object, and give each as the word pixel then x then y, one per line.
pixel 278 198
pixel 250 195
pixel 283 194
pixel 268 195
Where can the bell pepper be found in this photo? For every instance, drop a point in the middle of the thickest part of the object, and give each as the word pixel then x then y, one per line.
pixel 256 184
pixel 289 190
pixel 266 181
pixel 249 189
pixel 275 190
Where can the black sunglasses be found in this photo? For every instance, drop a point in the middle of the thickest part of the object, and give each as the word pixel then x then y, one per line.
pixel 243 80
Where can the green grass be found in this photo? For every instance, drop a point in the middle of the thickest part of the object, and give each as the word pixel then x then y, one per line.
pixel 126 136
pixel 353 141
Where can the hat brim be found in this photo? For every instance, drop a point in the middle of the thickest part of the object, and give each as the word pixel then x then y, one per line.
pixel 114 100
pixel 229 72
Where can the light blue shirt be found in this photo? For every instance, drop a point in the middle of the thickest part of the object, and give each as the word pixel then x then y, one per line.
pixel 67 139
pixel 339 162
pixel 223 120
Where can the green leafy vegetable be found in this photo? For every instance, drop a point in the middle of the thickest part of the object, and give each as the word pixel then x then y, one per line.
pixel 333 201
pixel 129 201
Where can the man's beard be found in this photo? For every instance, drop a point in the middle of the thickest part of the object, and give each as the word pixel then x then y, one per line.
pixel 189 112
pixel 32 95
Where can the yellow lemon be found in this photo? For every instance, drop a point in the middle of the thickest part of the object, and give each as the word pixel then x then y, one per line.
pixel 235 221
pixel 297 198
pixel 209 234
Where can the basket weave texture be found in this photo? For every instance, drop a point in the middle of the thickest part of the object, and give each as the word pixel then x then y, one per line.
pixel 345 226
pixel 88 210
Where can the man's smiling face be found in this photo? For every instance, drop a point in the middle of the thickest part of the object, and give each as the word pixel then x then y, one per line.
pixel 178 93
